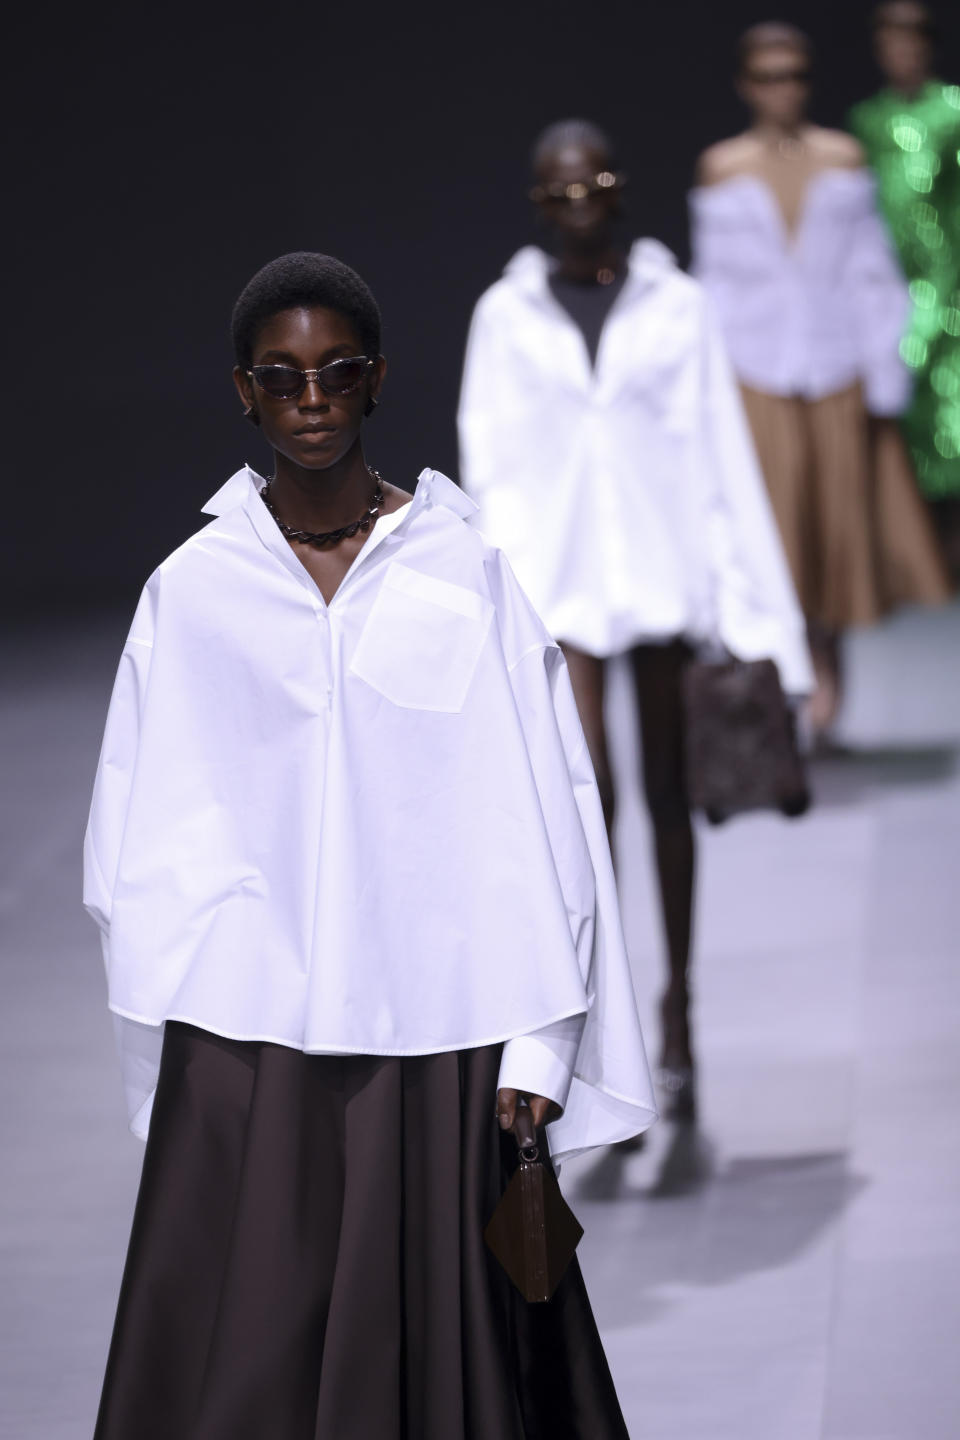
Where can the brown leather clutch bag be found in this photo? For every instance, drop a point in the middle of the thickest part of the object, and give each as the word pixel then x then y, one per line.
pixel 533 1232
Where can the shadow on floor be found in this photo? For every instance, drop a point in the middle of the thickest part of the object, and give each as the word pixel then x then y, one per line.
pixel 843 776
pixel 705 1222
pixel 686 1166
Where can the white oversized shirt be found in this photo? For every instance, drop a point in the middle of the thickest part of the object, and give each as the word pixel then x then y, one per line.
pixel 368 827
pixel 627 495
pixel 811 313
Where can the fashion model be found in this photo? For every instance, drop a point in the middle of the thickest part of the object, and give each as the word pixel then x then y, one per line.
pixel 604 440
pixel 910 132
pixel 347 855
pixel 788 241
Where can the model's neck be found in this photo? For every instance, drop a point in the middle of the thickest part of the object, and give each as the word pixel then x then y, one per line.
pixel 322 500
pixel 774 132
pixel 910 88
pixel 584 263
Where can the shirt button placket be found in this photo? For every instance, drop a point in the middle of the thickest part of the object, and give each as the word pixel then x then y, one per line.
pixel 326 646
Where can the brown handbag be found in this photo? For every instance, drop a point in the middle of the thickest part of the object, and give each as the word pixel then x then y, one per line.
pixel 533 1232
pixel 741 744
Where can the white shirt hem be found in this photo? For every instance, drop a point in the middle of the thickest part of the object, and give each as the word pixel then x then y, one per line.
pixel 260 1038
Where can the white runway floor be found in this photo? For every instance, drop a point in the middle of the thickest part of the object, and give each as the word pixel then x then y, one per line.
pixel 791 1271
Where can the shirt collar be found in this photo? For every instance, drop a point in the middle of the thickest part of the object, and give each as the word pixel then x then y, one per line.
pixel 436 489
pixel 433 488
pixel 530 268
pixel 243 489
pixel 234 492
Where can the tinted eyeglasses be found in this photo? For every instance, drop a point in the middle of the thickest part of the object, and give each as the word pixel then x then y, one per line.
pixel 286 382
pixel 796 75
pixel 600 184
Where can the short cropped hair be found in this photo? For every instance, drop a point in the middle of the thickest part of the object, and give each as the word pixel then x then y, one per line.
pixel 303 280
pixel 563 133
pixel 904 15
pixel 772 35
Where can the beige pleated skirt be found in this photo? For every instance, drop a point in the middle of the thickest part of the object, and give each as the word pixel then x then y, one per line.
pixel 856 532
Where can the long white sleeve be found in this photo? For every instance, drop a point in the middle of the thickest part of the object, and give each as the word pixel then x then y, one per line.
pixel 138 1045
pixel 542 1063
pixel 709 255
pixel 610 1096
pixel 118 756
pixel 757 612
pixel 488 401
pixel 881 307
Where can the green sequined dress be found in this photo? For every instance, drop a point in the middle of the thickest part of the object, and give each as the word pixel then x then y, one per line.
pixel 912 144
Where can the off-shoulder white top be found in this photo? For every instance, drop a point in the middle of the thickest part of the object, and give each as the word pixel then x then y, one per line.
pixel 810 313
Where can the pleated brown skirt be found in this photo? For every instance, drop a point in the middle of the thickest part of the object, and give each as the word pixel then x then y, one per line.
pixel 307 1261
pixel 856 532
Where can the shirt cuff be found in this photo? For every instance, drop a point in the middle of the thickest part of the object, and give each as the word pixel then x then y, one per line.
pixel 542 1062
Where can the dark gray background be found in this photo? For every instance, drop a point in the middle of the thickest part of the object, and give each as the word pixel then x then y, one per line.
pixel 157 162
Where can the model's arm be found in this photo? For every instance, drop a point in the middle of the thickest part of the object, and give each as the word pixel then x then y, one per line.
pixel 138 1046
pixel 489 398
pixel 111 791
pixel 722 161
pixel 881 305
pixel 709 245
pixel 594 1063
pixel 540 1067
pixel 756 608
pixel 537 1067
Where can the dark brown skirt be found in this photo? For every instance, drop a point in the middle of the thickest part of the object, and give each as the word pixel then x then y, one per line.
pixel 307 1261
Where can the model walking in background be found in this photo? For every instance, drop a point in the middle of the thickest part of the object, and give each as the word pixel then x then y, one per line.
pixel 603 437
pixel 788 241
pixel 348 859
pixel 911 134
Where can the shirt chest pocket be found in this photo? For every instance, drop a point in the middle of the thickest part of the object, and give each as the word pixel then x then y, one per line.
pixel 421 641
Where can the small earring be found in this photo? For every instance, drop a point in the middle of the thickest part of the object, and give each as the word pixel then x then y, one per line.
pixel 251 415
pixel 371 405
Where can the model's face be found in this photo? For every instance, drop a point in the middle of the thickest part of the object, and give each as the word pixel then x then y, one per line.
pixel 903 54
pixel 313 429
pixel 775 84
pixel 584 217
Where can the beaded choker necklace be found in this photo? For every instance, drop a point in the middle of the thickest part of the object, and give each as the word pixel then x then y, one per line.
pixel 330 537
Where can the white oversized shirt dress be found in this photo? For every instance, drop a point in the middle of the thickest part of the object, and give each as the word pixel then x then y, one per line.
pixel 368 827
pixel 812 313
pixel 626 495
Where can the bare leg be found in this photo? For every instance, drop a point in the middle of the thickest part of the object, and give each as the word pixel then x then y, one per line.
pixel 825 652
pixel 657 671
pixel 587 679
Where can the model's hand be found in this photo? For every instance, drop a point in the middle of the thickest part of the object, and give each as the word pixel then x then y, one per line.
pixel 541 1109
